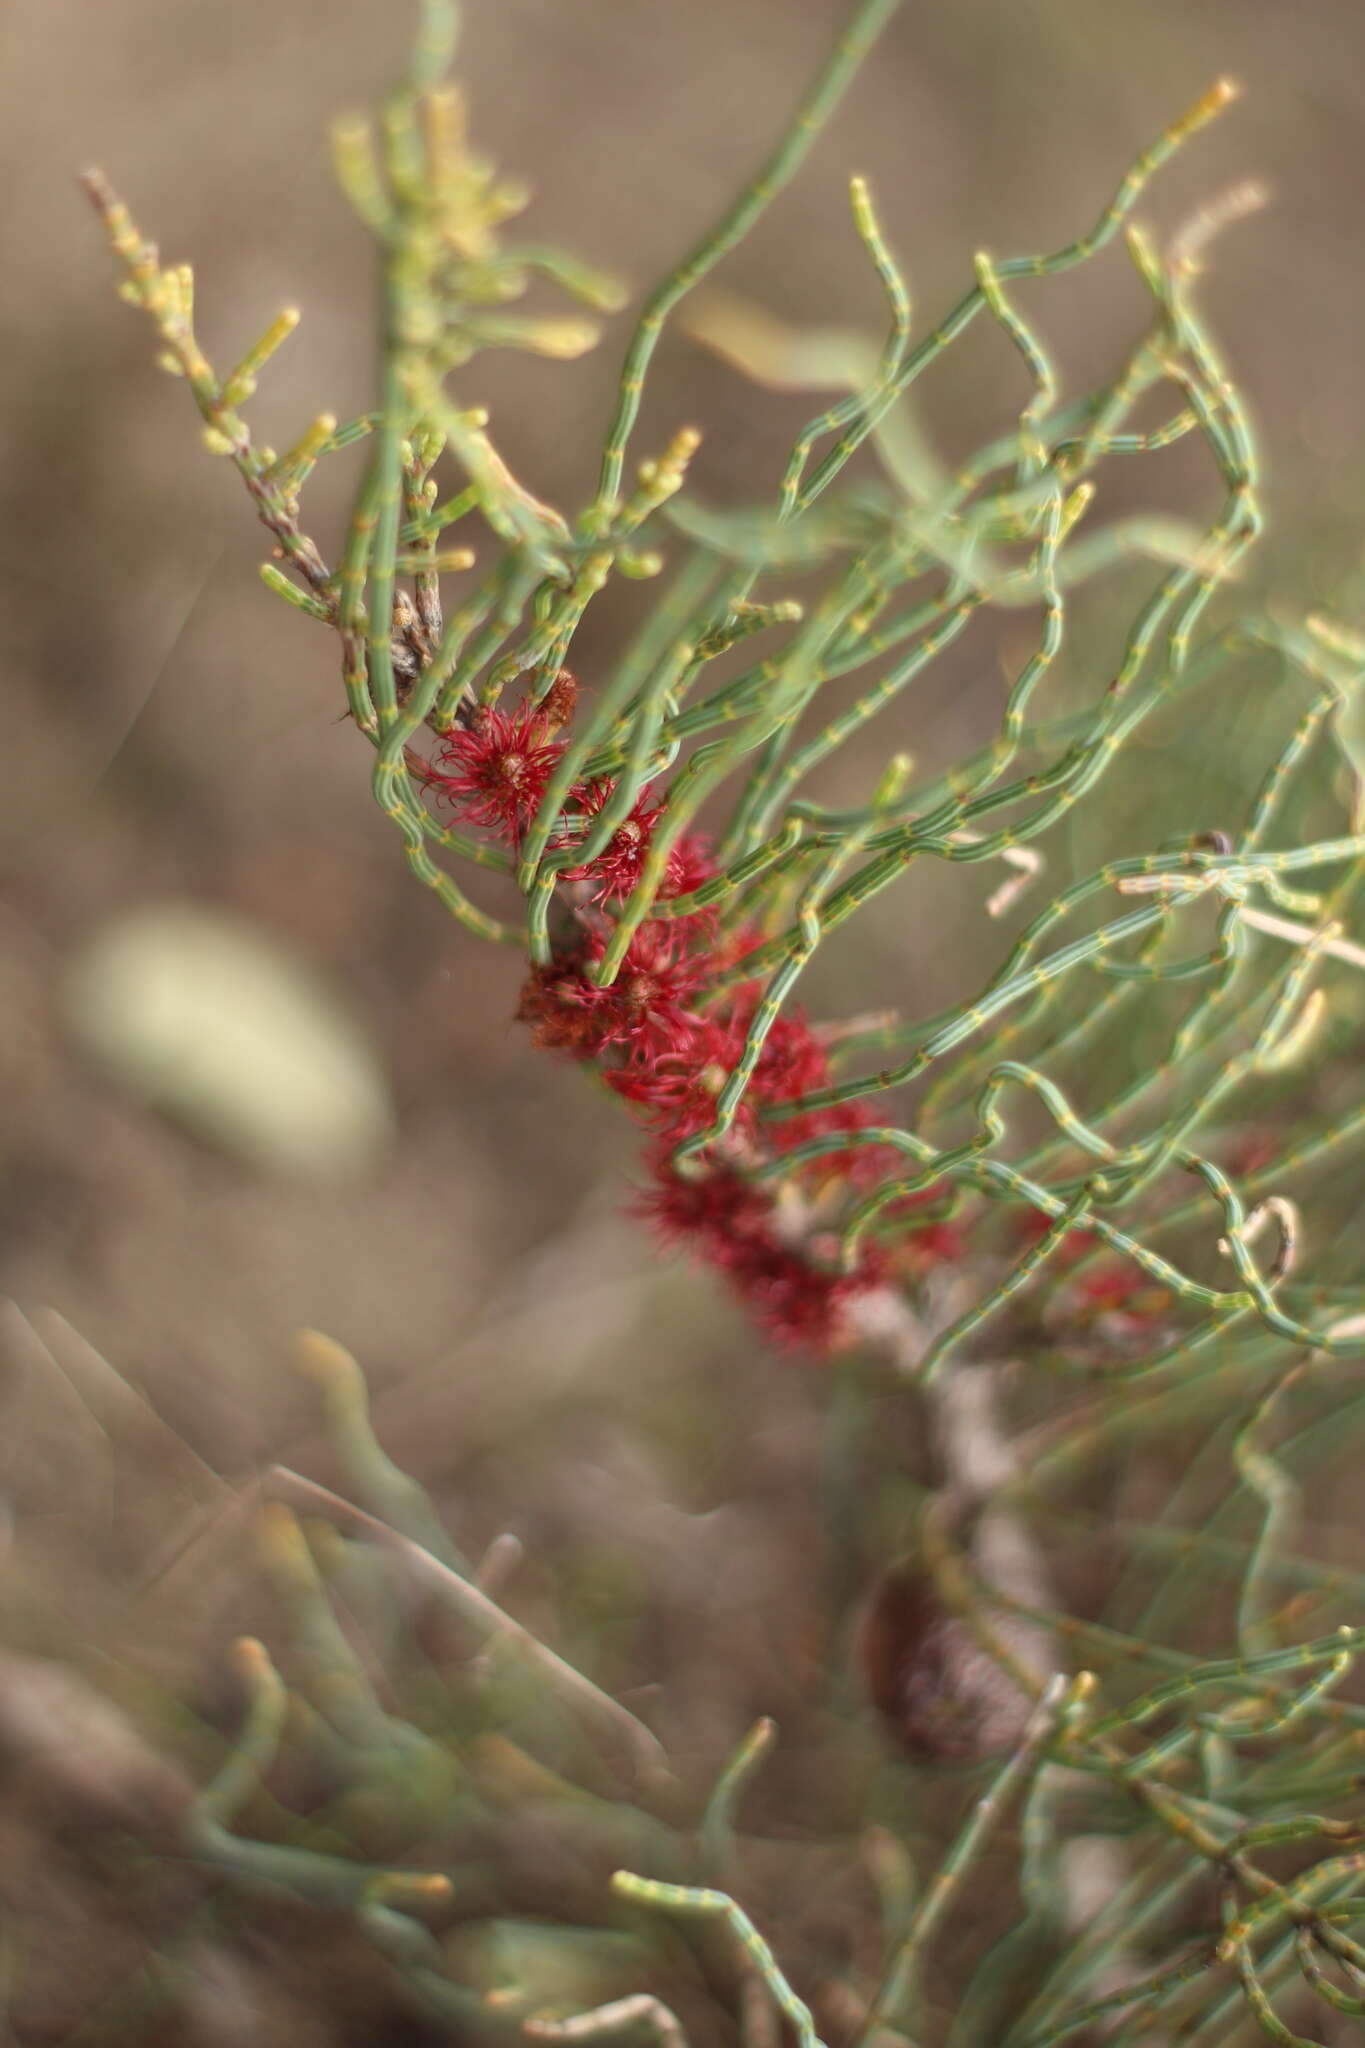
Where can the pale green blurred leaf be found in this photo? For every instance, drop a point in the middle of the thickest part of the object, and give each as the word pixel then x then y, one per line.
pixel 781 357
pixel 830 359
pixel 203 1018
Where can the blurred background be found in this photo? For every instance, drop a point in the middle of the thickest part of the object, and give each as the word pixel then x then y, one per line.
pixel 454 1209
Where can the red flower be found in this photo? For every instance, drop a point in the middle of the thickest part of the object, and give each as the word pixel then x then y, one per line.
pixel 677 1090
pixel 646 1011
pixel 650 1002
pixel 793 1061
pixel 616 870
pixel 930 1244
pixel 669 1057
pixel 690 866
pixel 557 1003
pixel 861 1165
pixel 560 701
pixel 494 772
pixel 800 1304
pixel 716 1213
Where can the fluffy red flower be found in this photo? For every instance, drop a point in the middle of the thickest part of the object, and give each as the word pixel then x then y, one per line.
pixel 800 1304
pixel 646 1011
pixel 494 772
pixel 677 1091
pixel 861 1165
pixel 560 701
pixel 669 1057
pixel 716 1213
pixel 793 1061
pixel 616 870
pixel 690 865
pixel 930 1244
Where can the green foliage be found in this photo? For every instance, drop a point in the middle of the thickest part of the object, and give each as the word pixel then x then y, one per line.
pixel 1157 1069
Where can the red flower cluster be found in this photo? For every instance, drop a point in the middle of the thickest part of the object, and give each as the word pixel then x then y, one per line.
pixel 670 1058
pixel 646 1011
pixel 668 1050
pixel 794 1289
